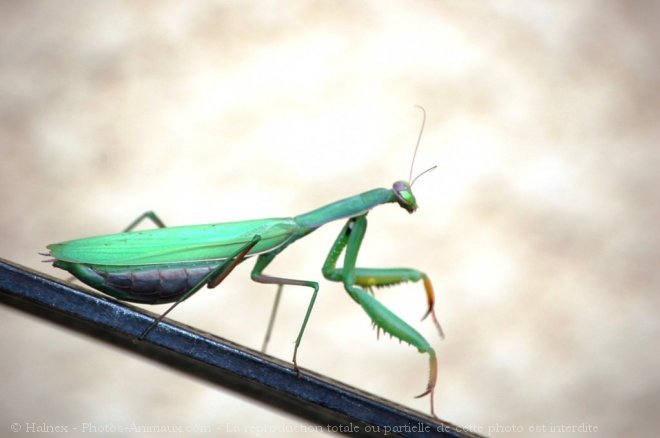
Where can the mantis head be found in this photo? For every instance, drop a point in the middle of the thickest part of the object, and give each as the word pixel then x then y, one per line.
pixel 404 196
pixel 403 189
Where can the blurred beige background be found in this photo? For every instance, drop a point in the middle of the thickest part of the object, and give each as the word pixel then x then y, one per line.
pixel 539 228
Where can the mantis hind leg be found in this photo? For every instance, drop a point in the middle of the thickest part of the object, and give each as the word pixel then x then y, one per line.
pixel 355 279
pixel 153 217
pixel 212 279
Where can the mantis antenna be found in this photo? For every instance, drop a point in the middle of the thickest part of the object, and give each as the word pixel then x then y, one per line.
pixel 419 138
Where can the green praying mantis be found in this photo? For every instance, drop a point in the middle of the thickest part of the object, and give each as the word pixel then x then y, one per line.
pixel 170 264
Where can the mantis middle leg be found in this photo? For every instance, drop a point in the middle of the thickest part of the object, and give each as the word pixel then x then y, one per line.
pixel 257 275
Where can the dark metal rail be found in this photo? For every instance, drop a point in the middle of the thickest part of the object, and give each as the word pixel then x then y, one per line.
pixel 263 378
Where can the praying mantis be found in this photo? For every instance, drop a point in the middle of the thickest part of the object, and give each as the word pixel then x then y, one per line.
pixel 170 264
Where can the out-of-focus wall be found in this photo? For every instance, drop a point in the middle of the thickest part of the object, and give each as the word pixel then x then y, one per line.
pixel 539 228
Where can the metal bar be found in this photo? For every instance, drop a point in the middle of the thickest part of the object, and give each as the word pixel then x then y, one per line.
pixel 263 378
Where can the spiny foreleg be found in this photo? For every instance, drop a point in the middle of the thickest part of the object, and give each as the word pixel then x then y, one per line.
pixel 350 238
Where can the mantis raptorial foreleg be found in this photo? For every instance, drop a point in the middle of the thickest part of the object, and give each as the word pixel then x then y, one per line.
pixel 370 277
pixel 377 277
pixel 257 275
pixel 350 238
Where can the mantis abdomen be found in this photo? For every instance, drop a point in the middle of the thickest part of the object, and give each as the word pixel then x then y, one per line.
pixel 142 283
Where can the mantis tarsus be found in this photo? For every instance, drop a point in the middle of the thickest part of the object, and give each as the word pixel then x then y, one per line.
pixel 169 264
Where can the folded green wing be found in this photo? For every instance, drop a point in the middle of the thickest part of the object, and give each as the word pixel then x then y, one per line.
pixel 176 244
